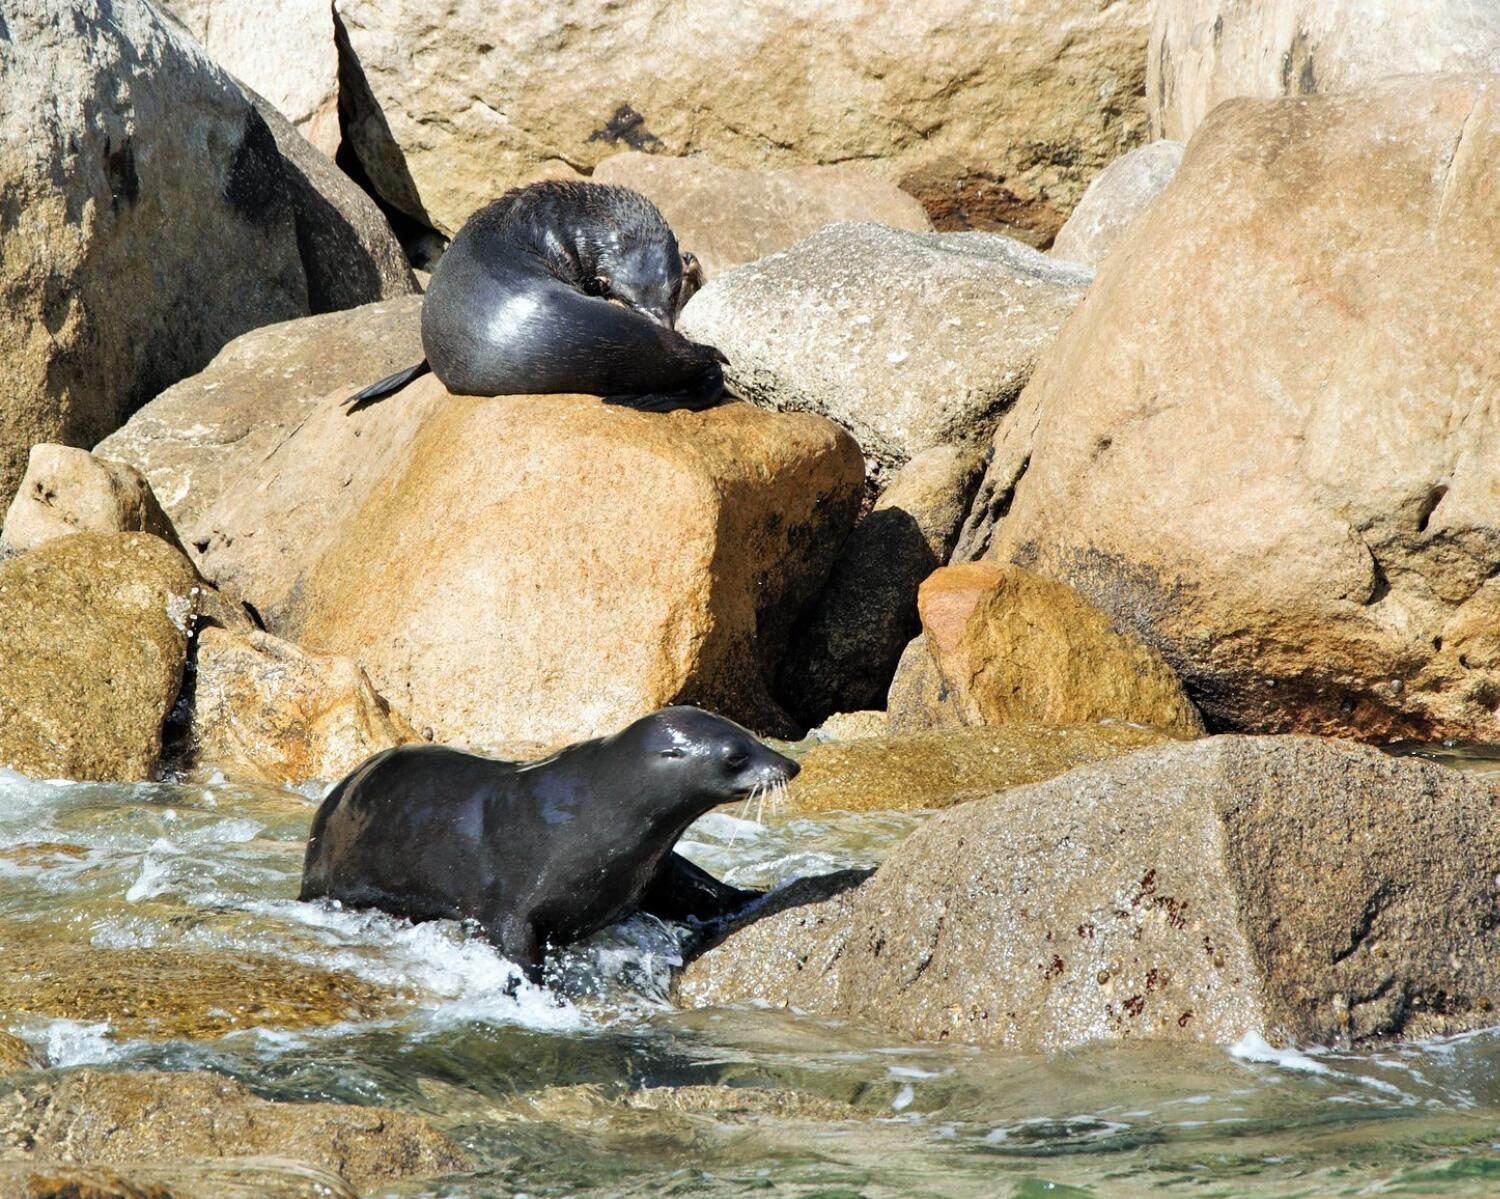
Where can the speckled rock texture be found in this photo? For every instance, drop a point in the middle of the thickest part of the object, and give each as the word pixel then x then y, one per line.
pixel 209 1178
pixel 543 568
pixel 1203 52
pixel 94 1118
pixel 1008 645
pixel 202 434
pixel 908 340
pixel 729 216
pixel 1296 889
pixel 1119 193
pixel 451 103
pixel 950 766
pixel 16 1055
pixel 844 651
pixel 67 490
pixel 96 630
pixel 265 710
pixel 1266 441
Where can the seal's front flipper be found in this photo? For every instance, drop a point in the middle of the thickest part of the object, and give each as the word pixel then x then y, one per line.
pixel 682 891
pixel 387 386
pixel 705 393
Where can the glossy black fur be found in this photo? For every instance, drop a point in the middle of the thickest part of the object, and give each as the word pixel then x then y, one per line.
pixel 539 854
pixel 565 287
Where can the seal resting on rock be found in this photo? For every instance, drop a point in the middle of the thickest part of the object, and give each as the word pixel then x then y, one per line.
pixel 539 854
pixel 562 286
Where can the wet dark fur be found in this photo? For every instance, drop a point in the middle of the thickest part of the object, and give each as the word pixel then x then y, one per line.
pixel 539 854
pixel 564 287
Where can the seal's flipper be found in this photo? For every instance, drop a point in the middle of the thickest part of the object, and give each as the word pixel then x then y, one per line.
pixel 682 891
pixel 387 386
pixel 702 395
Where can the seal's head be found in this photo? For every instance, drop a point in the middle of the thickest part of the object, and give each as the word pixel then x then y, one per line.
pixel 635 257
pixel 691 760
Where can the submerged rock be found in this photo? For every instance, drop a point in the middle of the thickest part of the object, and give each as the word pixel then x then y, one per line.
pixel 844 651
pixel 951 766
pixel 16 1055
pixel 96 630
pixel 543 568
pixel 1203 52
pixel 267 711
pixel 67 490
pixel 91 1118
pixel 172 994
pixel 1270 454
pixel 1288 888
pixel 728 216
pixel 908 340
pixel 1001 644
pixel 1035 98
pixel 1119 193
pixel 216 1178
pixel 198 437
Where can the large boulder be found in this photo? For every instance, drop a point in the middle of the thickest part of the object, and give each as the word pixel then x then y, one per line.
pixel 1263 440
pixel 97 1118
pixel 268 711
pixel 96 630
pixel 937 769
pixel 448 107
pixel 284 49
pixel 729 216
pixel 1288 888
pixel 1119 193
pixel 844 650
pixel 1203 52
pixel 541 568
pixel 67 490
pixel 198 437
pixel 908 340
pixel 146 226
pixel 1010 646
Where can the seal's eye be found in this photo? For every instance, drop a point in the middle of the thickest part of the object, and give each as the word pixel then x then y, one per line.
pixel 738 759
pixel 674 752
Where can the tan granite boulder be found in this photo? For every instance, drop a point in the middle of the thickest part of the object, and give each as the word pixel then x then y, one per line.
pixel 1119 193
pixel 67 490
pixel 542 568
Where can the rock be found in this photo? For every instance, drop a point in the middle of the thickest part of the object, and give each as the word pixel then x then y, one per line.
pixel 96 629
pixel 285 50
pixel 1118 194
pixel 96 1118
pixel 200 436
pixel 1254 450
pixel 17 1056
pixel 851 726
pixel 259 1178
pixel 147 222
pixel 1011 646
pixel 66 490
pixel 844 651
pixel 172 994
pixel 1288 888
pixel 349 252
pixel 951 766
pixel 266 711
pixel 908 340
pixel 728 216
pixel 481 558
pixel 448 107
pixel 1203 52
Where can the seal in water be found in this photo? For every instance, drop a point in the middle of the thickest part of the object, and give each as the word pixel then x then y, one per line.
pixel 564 287
pixel 539 854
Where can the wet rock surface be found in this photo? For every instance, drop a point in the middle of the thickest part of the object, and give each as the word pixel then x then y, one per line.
pixel 258 1178
pixel 908 340
pixel 1228 449
pixel 1289 888
pixel 478 556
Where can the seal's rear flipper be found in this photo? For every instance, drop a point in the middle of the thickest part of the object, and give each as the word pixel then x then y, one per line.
pixel 386 386
pixel 706 393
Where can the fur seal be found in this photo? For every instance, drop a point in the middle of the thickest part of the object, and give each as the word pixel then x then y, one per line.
pixel 539 854
pixel 563 286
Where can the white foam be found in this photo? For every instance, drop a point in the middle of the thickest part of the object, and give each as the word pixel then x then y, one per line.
pixel 1253 1047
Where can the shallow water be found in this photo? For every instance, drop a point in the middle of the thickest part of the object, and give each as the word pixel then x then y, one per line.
pixel 535 1087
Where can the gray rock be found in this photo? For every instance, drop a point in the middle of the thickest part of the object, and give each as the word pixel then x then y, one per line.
pixel 908 340
pixel 1118 194
pixel 1290 888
